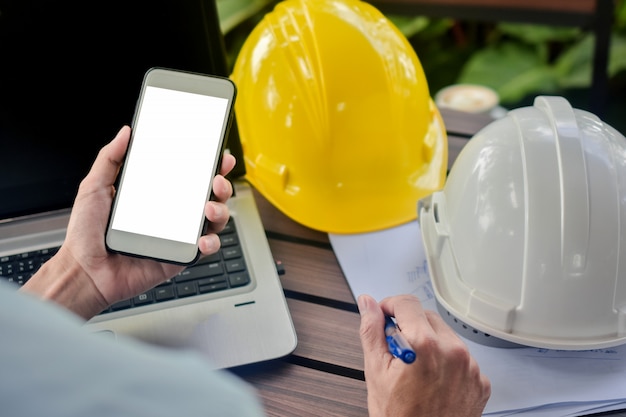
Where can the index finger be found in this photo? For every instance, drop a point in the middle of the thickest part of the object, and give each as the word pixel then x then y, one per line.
pixel 408 312
pixel 372 332
pixel 109 160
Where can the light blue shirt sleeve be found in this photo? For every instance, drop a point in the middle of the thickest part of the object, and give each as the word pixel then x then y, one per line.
pixel 50 366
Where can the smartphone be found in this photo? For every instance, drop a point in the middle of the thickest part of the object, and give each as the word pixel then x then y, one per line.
pixel 178 133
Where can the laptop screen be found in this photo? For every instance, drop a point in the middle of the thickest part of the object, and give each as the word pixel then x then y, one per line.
pixel 70 77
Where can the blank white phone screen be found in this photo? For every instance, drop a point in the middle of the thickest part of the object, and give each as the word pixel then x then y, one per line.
pixel 169 168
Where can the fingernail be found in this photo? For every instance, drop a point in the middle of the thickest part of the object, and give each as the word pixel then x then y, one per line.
pixel 119 132
pixel 213 243
pixel 217 211
pixel 362 304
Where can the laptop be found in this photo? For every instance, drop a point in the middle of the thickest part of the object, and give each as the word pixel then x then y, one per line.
pixel 70 76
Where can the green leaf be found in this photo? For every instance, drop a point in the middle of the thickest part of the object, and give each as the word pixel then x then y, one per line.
pixel 512 69
pixel 409 26
pixel 496 65
pixel 234 12
pixel 617 56
pixel 538 80
pixel 620 15
pixel 539 34
pixel 573 66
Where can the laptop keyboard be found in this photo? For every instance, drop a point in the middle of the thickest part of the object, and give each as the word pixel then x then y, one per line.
pixel 220 271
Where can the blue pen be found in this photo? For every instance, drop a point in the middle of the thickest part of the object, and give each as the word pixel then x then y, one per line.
pixel 398 346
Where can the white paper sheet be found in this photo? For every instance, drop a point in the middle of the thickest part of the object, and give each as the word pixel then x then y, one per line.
pixel 565 410
pixel 525 381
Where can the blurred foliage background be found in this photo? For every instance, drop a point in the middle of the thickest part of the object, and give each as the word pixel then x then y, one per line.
pixel 519 61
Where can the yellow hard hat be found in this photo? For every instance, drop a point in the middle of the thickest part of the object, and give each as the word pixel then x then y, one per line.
pixel 338 129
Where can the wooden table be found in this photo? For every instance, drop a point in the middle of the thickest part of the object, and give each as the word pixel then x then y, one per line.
pixel 324 375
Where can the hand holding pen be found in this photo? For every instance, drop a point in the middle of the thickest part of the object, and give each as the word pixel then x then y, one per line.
pixel 446 380
pixel 398 346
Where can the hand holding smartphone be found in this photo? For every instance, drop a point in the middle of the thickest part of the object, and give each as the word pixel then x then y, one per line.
pixel 178 134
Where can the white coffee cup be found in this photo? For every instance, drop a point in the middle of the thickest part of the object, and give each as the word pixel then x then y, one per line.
pixel 472 98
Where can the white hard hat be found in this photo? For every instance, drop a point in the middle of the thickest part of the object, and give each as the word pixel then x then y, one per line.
pixel 526 243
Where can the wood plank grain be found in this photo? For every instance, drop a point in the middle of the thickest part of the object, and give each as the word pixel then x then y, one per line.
pixel 311 270
pixel 569 6
pixel 327 334
pixel 581 13
pixel 277 222
pixel 292 390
